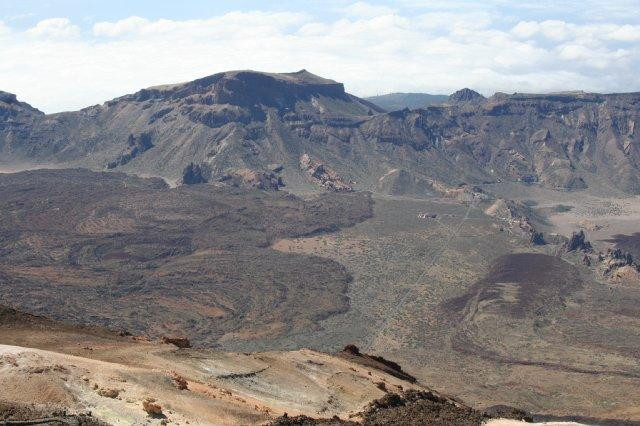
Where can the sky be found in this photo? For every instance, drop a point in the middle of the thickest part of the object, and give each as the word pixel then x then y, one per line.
pixel 61 55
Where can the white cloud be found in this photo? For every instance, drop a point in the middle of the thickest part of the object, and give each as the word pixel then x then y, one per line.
pixel 238 21
pixel 556 30
pixel 371 53
pixel 551 29
pixel 573 52
pixel 313 29
pixel 629 33
pixel 55 28
pixel 460 22
pixel 526 29
pixel 133 24
pixel 363 10
pixel 4 30
pixel 560 30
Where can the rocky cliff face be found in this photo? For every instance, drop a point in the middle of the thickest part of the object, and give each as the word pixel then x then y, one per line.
pixel 231 120
pixel 16 119
pixel 249 120
pixel 567 141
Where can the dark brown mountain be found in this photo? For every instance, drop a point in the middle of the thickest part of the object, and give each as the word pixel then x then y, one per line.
pixel 239 123
pixel 466 95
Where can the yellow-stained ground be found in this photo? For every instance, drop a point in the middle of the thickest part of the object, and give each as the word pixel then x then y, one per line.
pixel 70 370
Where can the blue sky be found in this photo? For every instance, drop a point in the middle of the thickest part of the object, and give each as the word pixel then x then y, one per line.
pixel 68 54
pixel 25 13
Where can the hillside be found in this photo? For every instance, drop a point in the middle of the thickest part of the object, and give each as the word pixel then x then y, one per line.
pixel 70 374
pixel 65 374
pixel 246 123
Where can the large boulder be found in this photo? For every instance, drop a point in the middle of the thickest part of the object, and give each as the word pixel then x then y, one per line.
pixel 578 242
pixel 193 174
pixel 181 342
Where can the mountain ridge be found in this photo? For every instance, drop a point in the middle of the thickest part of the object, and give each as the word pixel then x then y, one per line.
pixel 247 120
pixel 11 98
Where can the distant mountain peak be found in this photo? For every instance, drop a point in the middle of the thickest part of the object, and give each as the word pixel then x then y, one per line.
pixel 302 77
pixel 465 95
pixel 247 88
pixel 398 101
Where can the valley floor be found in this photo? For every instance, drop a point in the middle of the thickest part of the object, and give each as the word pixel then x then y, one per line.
pixel 558 350
pixel 452 289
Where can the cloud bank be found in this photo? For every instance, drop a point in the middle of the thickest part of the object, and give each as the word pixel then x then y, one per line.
pixel 57 65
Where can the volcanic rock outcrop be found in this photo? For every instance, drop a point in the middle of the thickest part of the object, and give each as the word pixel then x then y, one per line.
pixel 518 217
pixel 578 242
pixel 616 262
pixel 322 175
pixel 194 174
pixel 247 178
pixel 136 145
pixel 352 353
pixel 181 342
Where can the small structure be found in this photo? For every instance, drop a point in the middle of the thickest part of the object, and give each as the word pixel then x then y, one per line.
pixel 427 215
